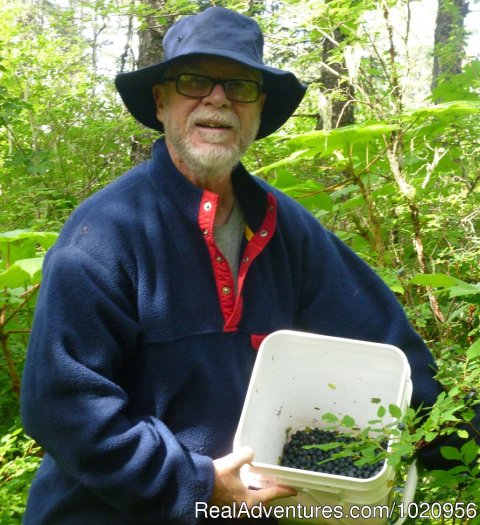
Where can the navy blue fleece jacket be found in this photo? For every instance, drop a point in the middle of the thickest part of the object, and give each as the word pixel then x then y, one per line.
pixel 140 354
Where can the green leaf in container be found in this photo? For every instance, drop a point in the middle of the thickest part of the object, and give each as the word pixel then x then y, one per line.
pixel 394 411
pixel 329 417
pixel 381 411
pixel 348 421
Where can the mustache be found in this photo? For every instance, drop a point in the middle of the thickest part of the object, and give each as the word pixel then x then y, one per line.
pixel 222 118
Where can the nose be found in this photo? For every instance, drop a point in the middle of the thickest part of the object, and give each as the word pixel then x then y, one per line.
pixel 217 97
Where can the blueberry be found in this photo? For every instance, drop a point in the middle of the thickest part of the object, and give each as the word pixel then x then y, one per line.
pixel 316 460
pixel 470 395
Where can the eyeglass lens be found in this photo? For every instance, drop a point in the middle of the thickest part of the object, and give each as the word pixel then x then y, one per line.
pixel 198 86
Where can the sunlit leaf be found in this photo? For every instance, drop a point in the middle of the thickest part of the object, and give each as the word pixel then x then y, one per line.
pixel 470 450
pixel 460 290
pixel 436 280
pixel 395 411
pixel 474 351
pixel 450 453
pixel 22 273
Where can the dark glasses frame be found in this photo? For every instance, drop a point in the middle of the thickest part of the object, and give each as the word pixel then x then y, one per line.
pixel 224 82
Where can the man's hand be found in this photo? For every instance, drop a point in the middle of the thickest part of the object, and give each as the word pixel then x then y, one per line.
pixel 229 488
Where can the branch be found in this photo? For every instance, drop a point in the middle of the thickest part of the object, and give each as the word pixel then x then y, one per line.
pixel 26 296
pixel 12 371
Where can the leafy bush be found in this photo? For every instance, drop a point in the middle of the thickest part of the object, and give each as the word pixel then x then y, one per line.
pixel 19 459
pixel 399 186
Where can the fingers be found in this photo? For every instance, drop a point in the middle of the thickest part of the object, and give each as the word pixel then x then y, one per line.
pixel 236 459
pixel 272 493
pixel 240 457
pixel 245 455
pixel 229 488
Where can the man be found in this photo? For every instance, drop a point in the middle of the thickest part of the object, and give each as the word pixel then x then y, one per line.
pixel 162 286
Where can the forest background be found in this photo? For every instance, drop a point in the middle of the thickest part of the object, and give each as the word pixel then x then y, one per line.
pixel 384 151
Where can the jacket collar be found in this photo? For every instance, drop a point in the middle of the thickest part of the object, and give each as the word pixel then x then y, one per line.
pixel 187 197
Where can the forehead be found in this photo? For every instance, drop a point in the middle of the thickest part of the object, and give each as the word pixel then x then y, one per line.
pixel 217 67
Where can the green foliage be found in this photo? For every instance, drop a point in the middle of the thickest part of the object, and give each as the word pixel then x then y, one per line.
pixel 400 185
pixel 397 435
pixel 389 183
pixel 65 132
pixel 407 431
pixel 19 459
pixel 21 257
pixel 310 193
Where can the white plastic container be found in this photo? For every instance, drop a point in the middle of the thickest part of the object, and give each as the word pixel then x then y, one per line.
pixel 296 379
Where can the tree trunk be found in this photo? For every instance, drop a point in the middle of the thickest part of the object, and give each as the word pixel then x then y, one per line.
pixel 151 35
pixel 150 51
pixel 335 83
pixel 449 45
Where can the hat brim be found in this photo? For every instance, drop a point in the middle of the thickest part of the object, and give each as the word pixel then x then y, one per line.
pixel 283 91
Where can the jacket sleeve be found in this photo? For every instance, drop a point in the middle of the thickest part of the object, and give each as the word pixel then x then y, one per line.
pixel 74 406
pixel 342 296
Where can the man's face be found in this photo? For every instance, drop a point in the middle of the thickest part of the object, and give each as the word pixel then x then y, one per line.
pixel 211 134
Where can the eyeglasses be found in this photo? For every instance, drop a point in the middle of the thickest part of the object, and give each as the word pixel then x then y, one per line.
pixel 199 86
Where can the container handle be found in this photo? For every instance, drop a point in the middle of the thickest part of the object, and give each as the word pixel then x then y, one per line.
pixel 409 490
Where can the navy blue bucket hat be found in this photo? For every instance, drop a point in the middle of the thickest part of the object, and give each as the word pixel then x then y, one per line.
pixel 217 32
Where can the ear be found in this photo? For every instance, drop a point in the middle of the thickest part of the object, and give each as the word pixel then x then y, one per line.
pixel 261 100
pixel 159 98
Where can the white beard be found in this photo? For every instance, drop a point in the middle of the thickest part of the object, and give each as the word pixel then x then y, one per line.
pixel 213 159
